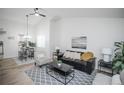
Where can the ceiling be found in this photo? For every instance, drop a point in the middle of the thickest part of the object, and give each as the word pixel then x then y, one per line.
pixel 18 14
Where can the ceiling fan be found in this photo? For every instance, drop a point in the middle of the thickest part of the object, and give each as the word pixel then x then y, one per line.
pixel 37 13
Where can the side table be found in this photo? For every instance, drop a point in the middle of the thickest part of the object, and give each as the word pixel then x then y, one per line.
pixel 108 65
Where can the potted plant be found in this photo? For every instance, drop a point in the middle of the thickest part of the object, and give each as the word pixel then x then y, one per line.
pixel 118 60
pixel 59 63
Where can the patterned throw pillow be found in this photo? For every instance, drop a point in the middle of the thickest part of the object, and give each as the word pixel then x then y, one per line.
pixel 87 56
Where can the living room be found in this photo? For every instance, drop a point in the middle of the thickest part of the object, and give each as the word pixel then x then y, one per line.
pixel 54 37
pixel 98 29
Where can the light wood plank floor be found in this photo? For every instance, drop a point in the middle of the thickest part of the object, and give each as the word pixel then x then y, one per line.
pixel 13 74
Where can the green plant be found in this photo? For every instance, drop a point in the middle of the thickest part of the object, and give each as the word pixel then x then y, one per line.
pixel 118 60
pixel 31 44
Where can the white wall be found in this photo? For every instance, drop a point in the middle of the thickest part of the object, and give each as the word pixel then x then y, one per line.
pixel 100 32
pixel 54 35
pixel 13 29
pixel 43 29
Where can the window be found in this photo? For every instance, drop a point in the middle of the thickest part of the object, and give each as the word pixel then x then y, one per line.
pixel 41 41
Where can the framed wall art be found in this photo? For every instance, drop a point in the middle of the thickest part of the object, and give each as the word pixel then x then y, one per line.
pixel 79 42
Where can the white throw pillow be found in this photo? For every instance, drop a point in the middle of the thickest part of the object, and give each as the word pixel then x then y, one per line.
pixel 67 54
pixel 76 56
pixel 73 55
pixel 116 80
pixel 70 54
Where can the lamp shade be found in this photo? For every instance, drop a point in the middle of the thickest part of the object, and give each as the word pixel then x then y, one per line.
pixel 57 48
pixel 107 51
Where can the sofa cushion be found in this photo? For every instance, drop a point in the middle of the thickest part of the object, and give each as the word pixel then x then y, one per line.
pixel 87 56
pixel 116 80
pixel 122 77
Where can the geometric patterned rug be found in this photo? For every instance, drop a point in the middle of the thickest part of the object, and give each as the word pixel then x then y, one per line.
pixel 40 77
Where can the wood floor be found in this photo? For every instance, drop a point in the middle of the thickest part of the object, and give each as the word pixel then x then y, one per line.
pixel 13 74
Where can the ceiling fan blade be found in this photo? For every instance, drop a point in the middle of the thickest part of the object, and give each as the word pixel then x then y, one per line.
pixel 32 14
pixel 35 9
pixel 42 15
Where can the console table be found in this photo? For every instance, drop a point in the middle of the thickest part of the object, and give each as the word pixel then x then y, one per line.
pixel 108 65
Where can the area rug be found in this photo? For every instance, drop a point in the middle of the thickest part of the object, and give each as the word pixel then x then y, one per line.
pixel 40 77
pixel 22 62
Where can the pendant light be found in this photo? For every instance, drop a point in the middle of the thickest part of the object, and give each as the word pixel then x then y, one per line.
pixel 27 36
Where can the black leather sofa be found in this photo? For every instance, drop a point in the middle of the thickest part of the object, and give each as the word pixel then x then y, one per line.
pixel 85 66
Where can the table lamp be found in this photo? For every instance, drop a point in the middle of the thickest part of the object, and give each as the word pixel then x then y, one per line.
pixel 57 49
pixel 107 53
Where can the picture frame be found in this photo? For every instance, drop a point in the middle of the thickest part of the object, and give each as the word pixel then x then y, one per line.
pixel 79 42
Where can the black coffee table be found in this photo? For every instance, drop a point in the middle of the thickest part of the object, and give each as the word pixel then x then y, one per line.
pixel 65 72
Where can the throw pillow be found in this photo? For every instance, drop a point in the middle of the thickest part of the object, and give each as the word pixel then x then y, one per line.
pixel 71 55
pixel 68 54
pixel 76 56
pixel 74 53
pixel 65 54
pixel 87 56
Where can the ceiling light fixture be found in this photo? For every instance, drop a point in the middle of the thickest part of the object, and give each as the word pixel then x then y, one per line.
pixel 27 36
pixel 37 13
